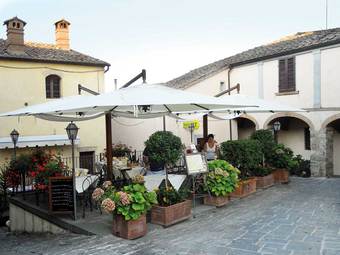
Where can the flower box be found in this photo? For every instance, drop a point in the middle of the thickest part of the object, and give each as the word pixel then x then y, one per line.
pixel 216 201
pixel 169 215
pixel 131 229
pixel 264 181
pixel 245 188
pixel 281 175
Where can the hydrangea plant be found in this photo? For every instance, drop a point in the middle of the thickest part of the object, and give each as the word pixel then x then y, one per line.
pixel 222 178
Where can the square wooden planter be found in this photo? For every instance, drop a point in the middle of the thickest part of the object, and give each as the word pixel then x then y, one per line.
pixel 245 188
pixel 281 175
pixel 264 181
pixel 169 215
pixel 216 201
pixel 131 229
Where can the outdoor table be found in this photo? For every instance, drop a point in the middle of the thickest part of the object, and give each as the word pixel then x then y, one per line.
pixel 82 186
pixel 152 182
pixel 134 171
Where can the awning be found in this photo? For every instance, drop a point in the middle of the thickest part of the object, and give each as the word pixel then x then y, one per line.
pixel 37 141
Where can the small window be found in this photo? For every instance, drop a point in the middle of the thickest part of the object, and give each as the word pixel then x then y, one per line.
pixel 287 75
pixel 222 86
pixel 52 83
pixel 307 138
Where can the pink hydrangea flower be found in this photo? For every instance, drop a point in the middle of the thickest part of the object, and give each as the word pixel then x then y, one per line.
pixel 108 205
pixel 124 198
pixel 97 194
pixel 107 184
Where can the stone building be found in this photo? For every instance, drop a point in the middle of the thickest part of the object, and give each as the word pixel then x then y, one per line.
pixel 301 70
pixel 32 73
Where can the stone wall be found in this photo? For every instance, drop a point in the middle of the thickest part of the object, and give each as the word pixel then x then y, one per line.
pixel 24 221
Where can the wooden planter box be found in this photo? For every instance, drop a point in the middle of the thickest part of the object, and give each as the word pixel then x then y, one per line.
pixel 245 188
pixel 169 215
pixel 216 201
pixel 281 176
pixel 264 181
pixel 131 229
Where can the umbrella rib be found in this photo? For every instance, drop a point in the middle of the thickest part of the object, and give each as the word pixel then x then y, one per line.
pixel 202 107
pixel 167 108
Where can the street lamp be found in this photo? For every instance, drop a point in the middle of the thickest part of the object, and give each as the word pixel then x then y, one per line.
pixel 276 128
pixel 72 131
pixel 15 136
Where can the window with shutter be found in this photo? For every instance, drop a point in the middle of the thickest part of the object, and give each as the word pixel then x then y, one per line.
pixel 287 74
pixel 52 83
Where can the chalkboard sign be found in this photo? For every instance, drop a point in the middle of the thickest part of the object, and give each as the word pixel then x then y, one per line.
pixel 196 164
pixel 60 195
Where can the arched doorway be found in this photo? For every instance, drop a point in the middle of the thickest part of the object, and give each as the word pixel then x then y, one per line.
pixel 294 133
pixel 332 127
pixel 245 127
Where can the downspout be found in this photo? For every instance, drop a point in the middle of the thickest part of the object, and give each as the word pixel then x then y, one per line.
pixel 230 123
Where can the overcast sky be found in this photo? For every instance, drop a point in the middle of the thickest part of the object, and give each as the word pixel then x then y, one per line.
pixel 167 37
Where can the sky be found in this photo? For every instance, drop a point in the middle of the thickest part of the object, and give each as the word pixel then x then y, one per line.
pixel 167 37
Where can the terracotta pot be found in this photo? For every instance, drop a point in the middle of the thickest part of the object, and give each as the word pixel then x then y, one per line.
pixel 245 188
pixel 264 181
pixel 131 229
pixel 216 201
pixel 281 175
pixel 169 215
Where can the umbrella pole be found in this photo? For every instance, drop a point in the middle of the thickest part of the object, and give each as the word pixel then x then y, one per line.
pixel 108 126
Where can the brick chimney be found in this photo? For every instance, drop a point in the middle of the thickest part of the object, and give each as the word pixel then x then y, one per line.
pixel 15 34
pixel 62 40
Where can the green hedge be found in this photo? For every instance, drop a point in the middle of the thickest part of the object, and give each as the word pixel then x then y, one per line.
pixel 246 155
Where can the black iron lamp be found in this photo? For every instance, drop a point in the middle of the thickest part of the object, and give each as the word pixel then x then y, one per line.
pixel 72 132
pixel 15 136
pixel 276 128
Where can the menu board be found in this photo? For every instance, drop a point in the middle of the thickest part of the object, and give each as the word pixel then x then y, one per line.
pixel 60 194
pixel 196 164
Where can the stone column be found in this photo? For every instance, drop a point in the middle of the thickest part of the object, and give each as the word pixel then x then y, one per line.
pixel 318 157
pixel 329 151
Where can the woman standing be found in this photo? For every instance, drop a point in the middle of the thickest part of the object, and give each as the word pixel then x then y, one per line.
pixel 211 148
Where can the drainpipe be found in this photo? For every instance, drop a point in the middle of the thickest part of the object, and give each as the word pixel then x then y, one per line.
pixel 230 123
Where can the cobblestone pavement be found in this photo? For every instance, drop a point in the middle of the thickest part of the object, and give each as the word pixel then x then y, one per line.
pixel 299 218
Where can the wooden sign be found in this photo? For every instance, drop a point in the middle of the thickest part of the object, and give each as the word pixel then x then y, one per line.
pixel 60 195
pixel 196 163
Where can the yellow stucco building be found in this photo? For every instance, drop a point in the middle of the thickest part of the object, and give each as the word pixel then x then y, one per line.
pixel 32 73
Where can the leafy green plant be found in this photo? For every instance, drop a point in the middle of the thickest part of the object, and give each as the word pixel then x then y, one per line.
pixel 167 196
pixel 120 150
pixel 222 178
pixel 302 167
pixel 131 202
pixel 267 141
pixel 246 155
pixel 163 147
pixel 261 171
pixel 282 157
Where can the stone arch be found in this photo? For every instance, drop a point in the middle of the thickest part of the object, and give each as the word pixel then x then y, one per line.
pixel 251 118
pixel 329 120
pixel 289 114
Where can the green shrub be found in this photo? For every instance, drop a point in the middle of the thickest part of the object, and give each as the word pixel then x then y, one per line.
pixel 246 155
pixel 261 171
pixel 222 178
pixel 266 138
pixel 163 147
pixel 282 157
pixel 302 167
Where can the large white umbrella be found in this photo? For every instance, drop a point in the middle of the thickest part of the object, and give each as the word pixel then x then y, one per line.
pixel 135 101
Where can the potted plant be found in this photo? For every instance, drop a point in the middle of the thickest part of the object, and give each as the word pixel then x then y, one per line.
pixel 220 182
pixel 128 207
pixel 120 150
pixel 163 148
pixel 173 206
pixel 281 159
pixel 264 177
pixel 245 155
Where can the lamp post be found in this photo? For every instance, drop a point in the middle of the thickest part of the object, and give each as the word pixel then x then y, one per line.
pixel 15 136
pixel 72 131
pixel 276 128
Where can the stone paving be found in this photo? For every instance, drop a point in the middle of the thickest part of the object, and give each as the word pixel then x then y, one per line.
pixel 302 217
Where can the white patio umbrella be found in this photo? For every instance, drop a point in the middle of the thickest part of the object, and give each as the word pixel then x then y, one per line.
pixel 135 101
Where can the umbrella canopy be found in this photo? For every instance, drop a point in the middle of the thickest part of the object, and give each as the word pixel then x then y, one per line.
pixel 135 101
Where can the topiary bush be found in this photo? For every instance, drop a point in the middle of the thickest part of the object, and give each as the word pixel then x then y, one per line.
pixel 246 155
pixel 163 147
pixel 266 138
